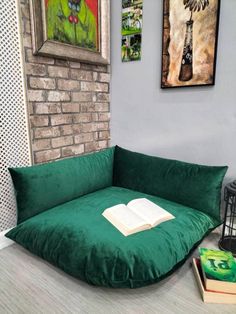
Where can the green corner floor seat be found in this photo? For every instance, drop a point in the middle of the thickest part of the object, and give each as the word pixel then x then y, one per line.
pixel 60 207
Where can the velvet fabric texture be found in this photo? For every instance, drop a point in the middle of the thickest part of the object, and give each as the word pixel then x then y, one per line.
pixel 41 187
pixel 193 185
pixel 76 237
pixel 60 207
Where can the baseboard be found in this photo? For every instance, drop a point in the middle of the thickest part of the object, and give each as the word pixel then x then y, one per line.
pixel 5 242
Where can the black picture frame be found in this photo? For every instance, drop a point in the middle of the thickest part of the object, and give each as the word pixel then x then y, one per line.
pixel 185 75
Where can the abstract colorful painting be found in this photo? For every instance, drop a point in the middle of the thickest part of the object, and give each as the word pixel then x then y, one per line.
pixel 73 22
pixel 190 32
pixel 132 20
pixel 77 30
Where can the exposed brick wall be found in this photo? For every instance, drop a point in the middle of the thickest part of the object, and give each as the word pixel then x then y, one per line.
pixel 68 103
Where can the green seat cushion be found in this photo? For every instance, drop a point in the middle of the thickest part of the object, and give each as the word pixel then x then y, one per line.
pixel 193 185
pixel 41 187
pixel 79 240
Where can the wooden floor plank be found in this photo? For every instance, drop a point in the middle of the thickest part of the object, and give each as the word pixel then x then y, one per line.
pixel 31 285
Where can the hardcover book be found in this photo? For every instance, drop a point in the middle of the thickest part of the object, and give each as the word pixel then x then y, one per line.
pixel 138 215
pixel 219 270
pixel 207 295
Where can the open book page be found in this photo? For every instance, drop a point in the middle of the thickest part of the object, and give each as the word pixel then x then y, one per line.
pixel 125 220
pixel 149 211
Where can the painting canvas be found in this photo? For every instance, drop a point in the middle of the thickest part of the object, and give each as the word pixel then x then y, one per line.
pixel 190 31
pixel 73 22
pixel 132 13
pixel 76 30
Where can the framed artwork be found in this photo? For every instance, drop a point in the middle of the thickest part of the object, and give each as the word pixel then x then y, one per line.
pixel 76 30
pixel 189 42
pixel 132 22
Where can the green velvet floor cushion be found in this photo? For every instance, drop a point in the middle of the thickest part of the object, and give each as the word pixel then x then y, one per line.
pixel 41 187
pixel 193 185
pixel 79 240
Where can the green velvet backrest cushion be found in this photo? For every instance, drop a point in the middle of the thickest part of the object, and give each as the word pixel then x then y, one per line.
pixel 41 187
pixel 193 185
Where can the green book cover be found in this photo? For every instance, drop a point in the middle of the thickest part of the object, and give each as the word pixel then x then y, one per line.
pixel 218 265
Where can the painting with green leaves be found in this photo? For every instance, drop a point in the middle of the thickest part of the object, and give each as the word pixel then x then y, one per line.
pixel 73 22
pixel 132 20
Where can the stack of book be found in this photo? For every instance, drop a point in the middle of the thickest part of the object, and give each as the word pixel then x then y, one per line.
pixel 215 272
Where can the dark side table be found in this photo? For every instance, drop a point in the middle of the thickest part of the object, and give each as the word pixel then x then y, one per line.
pixel 228 238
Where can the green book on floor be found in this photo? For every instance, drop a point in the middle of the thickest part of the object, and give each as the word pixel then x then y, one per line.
pixel 219 270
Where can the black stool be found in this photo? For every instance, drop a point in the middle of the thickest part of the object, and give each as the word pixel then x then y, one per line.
pixel 228 238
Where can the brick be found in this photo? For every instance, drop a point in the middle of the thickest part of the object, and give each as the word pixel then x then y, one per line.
pixel 42 83
pixel 87 107
pixel 100 126
pixel 56 71
pixel 62 141
pixel 102 144
pixel 47 155
pixel 104 77
pixel 104 135
pixel 82 118
pixel 86 127
pixel 35 69
pixel 73 150
pixel 66 130
pixel 36 95
pixel 30 108
pixel 87 66
pixel 81 75
pixel 61 119
pixel 75 65
pixel 71 107
pixel 96 68
pixel 94 86
pixel 101 68
pixel 38 145
pixel 95 76
pixel 47 132
pixel 102 97
pixel 95 116
pixel 47 108
pixel 37 121
pixel 94 127
pixel 108 69
pixel 58 96
pixel 60 62
pixel 104 116
pixel 37 59
pixel 102 107
pixel 90 147
pixel 68 85
pixel 82 96
pixel 83 138
pixel 94 107
pixel 78 128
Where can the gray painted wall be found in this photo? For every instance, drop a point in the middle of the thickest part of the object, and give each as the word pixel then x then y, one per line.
pixel 192 124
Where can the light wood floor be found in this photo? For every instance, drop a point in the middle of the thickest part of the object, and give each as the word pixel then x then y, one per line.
pixel 30 285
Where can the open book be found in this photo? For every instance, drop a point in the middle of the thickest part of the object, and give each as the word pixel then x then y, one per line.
pixel 138 215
